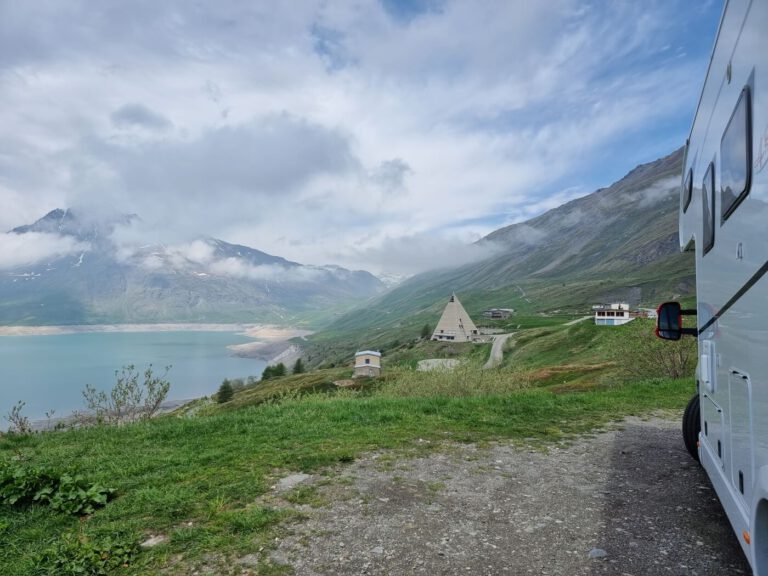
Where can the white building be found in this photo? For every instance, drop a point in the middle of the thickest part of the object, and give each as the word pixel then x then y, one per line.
pixel 498 313
pixel 612 314
pixel 367 363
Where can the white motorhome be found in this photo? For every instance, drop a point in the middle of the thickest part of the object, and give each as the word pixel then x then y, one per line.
pixel 724 219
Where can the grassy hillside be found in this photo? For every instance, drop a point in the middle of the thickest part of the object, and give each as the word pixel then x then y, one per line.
pixel 202 482
pixel 617 244
pixel 203 479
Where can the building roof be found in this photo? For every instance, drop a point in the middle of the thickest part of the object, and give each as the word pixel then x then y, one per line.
pixel 371 352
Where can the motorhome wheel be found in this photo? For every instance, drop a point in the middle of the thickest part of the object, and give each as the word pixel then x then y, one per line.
pixel 692 427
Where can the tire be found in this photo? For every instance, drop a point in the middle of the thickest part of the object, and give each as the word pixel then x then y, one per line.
pixel 692 427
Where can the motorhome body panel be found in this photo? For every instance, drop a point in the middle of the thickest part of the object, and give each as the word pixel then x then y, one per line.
pixel 731 281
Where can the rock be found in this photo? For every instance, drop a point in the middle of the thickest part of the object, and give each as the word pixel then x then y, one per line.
pixel 377 550
pixel 291 481
pixel 249 560
pixel 597 553
pixel 153 541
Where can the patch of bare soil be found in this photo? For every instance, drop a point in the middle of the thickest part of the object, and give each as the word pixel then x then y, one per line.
pixel 628 502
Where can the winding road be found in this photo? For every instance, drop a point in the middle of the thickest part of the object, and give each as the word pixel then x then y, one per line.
pixel 497 350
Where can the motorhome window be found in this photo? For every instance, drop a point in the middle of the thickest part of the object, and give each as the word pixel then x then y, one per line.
pixel 736 157
pixel 687 189
pixel 708 207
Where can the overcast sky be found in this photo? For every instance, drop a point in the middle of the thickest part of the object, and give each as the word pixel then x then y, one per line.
pixel 383 135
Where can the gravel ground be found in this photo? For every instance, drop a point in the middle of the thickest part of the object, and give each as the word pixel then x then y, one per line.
pixel 627 502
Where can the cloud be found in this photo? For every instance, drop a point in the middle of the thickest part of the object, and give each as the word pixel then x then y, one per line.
pixel 323 131
pixel 197 185
pixel 408 255
pixel 390 174
pixel 237 268
pixel 139 115
pixel 658 191
pixel 18 250
pixel 199 257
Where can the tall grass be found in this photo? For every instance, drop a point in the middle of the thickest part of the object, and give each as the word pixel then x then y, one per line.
pixel 198 480
pixel 463 381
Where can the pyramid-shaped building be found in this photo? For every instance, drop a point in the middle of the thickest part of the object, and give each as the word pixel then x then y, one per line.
pixel 455 325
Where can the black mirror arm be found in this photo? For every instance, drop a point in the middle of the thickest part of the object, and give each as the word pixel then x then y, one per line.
pixel 689 331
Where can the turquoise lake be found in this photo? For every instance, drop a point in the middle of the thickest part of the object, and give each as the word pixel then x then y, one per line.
pixel 50 372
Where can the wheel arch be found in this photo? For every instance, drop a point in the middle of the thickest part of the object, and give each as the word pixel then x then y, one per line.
pixel 760 525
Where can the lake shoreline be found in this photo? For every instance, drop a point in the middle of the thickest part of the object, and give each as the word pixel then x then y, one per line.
pixel 271 342
pixel 84 355
pixel 155 327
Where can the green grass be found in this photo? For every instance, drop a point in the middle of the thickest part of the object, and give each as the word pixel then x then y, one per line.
pixel 198 479
pixel 289 387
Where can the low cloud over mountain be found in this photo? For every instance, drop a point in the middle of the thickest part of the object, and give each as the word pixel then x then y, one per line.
pixel 69 269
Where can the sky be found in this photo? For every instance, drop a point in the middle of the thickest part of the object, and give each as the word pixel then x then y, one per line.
pixel 377 134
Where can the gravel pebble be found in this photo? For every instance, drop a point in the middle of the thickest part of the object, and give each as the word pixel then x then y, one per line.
pixel 631 494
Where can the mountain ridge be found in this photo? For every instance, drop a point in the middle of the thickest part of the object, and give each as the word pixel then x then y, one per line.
pixel 617 243
pixel 207 280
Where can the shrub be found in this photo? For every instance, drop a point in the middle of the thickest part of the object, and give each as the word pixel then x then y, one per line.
pixel 641 355
pixel 129 400
pixel 78 555
pixel 19 423
pixel 69 493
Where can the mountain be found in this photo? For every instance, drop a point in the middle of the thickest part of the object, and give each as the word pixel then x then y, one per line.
pixel 208 280
pixel 618 243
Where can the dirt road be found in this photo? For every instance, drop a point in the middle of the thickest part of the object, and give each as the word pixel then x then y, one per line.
pixel 628 502
pixel 497 350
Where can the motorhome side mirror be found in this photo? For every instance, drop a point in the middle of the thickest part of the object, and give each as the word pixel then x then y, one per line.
pixel 669 321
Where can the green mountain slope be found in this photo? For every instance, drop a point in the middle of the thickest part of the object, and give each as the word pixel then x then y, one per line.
pixel 618 243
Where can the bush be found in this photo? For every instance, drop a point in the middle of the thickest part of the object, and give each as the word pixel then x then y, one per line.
pixel 78 555
pixel 19 423
pixel 69 493
pixel 129 400
pixel 641 355
pixel 226 392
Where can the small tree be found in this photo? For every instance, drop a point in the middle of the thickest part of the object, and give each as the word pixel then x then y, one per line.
pixel 226 392
pixel 298 367
pixel 129 399
pixel 19 423
pixel 274 371
pixel 426 331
